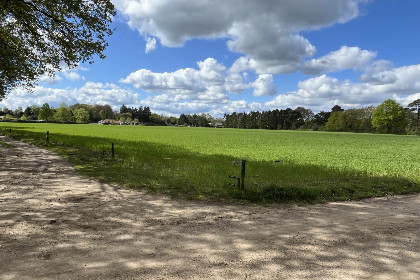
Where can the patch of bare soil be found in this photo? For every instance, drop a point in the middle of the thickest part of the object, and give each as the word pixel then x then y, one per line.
pixel 55 224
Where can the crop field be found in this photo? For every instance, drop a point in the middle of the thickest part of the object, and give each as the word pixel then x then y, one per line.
pixel 195 163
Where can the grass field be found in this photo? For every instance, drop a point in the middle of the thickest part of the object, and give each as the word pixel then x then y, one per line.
pixel 282 166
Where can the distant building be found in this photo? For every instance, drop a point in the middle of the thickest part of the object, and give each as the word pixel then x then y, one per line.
pixel 218 125
pixel 108 121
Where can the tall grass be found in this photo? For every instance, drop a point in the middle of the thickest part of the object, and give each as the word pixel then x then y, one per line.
pixel 195 163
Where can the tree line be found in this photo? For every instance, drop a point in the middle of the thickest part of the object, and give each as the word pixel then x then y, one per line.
pixel 388 117
pixel 85 113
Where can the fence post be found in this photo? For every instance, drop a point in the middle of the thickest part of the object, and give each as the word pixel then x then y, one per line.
pixel 243 164
pixel 112 149
pixel 48 137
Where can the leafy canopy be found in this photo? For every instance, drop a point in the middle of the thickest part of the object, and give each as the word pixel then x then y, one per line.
pixel 389 116
pixel 39 36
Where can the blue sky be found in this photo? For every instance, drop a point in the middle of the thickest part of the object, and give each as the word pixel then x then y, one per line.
pixel 220 56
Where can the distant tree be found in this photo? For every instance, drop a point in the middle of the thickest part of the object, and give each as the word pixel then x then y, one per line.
pixel 123 109
pixel 337 108
pixel 307 114
pixel 172 121
pixel 63 115
pixel 253 119
pixel 109 113
pixel 242 120
pixel 335 122
pixel 46 113
pixel 321 119
pixel 415 106
pixel 102 114
pixel 28 112
pixel 351 120
pixel 88 108
pixel 146 115
pixel 157 119
pixel 183 120
pixel 81 115
pixel 18 112
pixel 35 111
pixel 389 117
pixel 8 117
pixel 6 111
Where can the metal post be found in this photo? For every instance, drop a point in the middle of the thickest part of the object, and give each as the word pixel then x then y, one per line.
pixel 243 164
pixel 112 149
pixel 10 130
pixel 48 137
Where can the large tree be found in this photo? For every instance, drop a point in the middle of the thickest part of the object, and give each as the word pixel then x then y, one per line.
pixel 40 36
pixel 415 106
pixel 46 113
pixel 389 117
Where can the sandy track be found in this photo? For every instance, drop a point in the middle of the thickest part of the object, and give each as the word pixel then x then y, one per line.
pixel 55 224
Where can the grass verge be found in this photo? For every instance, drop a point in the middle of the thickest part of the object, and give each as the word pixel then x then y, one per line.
pixel 179 172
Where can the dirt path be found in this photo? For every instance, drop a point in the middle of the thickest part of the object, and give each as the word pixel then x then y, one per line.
pixel 55 224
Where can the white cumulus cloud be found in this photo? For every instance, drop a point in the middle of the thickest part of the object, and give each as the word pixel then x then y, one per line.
pixel 211 82
pixel 323 92
pixel 266 32
pixel 345 58
pixel 264 85
pixel 89 93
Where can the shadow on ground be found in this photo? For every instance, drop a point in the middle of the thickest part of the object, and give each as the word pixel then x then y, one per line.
pixel 56 225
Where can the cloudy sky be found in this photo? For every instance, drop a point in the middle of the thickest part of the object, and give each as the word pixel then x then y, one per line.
pixel 220 56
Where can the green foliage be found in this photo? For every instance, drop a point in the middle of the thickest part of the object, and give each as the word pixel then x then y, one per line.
pixel 63 115
pixel 36 37
pixel 389 117
pixel 413 116
pixel 7 117
pixel 282 166
pixel 81 115
pixel 276 119
pixel 335 122
pixel 351 120
pixel 46 113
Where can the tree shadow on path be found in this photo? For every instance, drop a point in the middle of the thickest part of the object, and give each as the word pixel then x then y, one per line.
pixel 55 224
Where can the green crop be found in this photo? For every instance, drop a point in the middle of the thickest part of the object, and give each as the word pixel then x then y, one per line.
pixel 282 166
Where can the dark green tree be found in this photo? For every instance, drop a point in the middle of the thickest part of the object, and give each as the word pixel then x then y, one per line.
pixel 36 37
pixel 415 106
pixel 46 113
pixel 123 109
pixel 321 118
pixel 337 108
pixel 183 120
pixel 28 112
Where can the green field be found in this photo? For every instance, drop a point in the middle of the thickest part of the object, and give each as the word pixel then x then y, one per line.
pixel 282 166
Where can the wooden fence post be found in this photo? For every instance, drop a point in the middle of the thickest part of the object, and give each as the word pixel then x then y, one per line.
pixel 243 164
